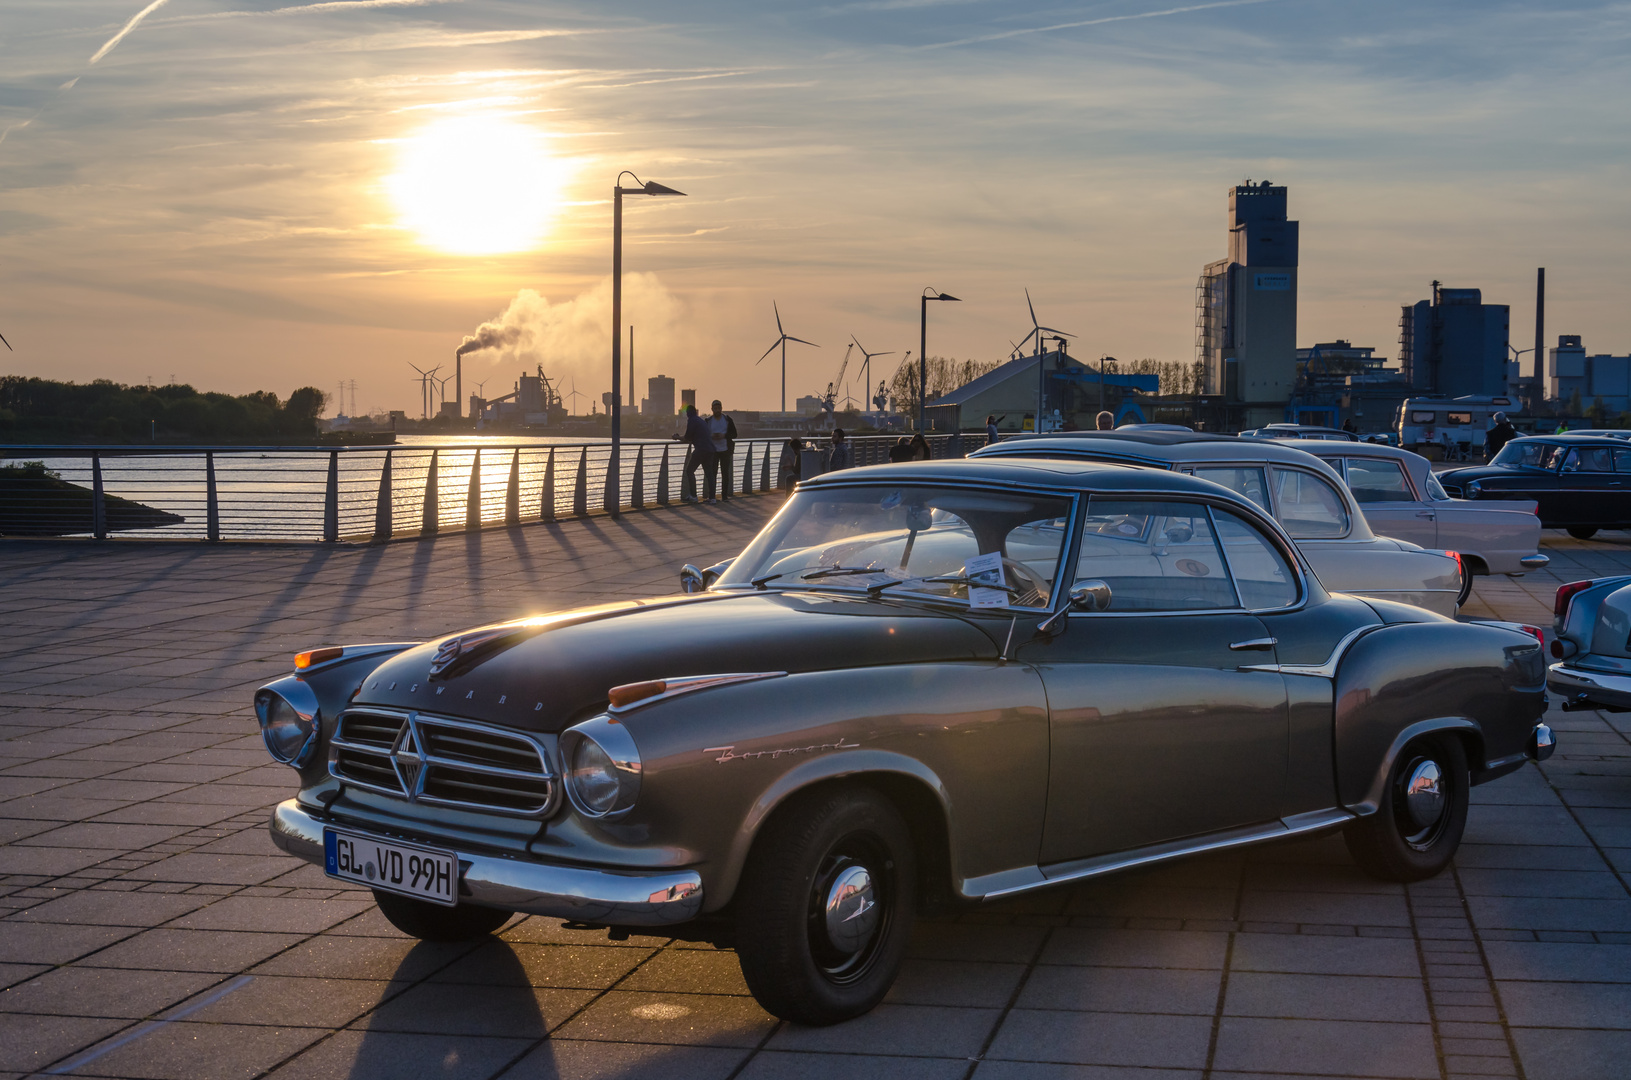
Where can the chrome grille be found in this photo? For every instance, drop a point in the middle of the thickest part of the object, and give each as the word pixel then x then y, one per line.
pixel 440 761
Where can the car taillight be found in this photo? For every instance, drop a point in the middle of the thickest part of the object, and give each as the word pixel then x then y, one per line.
pixel 1459 565
pixel 1536 633
pixel 1566 593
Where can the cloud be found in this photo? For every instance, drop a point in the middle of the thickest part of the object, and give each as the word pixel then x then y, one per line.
pixel 1005 34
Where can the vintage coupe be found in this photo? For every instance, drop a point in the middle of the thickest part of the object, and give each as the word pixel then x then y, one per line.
pixel 1301 491
pixel 1402 499
pixel 921 685
pixel 1582 482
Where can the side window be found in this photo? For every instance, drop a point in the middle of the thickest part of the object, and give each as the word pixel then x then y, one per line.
pixel 1240 480
pixel 1310 508
pixel 1622 461
pixel 1155 556
pixel 1373 481
pixel 1589 459
pixel 1260 571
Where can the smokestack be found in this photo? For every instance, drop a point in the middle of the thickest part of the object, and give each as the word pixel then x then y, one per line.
pixel 487 336
pixel 1540 333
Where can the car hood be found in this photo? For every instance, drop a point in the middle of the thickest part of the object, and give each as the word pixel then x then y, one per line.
pixel 547 673
pixel 1489 472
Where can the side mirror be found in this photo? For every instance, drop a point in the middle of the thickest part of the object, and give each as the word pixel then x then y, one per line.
pixel 691 579
pixel 1090 594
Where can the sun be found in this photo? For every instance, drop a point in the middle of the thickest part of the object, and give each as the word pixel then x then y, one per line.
pixel 476 185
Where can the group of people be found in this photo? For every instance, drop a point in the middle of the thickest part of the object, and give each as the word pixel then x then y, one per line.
pixel 711 441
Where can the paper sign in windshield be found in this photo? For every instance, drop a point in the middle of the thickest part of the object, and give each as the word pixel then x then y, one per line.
pixel 987 569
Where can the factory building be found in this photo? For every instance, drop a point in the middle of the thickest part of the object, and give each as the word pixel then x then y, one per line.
pixel 1455 344
pixel 1570 371
pixel 659 399
pixel 1246 308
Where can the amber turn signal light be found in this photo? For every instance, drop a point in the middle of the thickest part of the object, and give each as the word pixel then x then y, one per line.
pixel 304 660
pixel 629 693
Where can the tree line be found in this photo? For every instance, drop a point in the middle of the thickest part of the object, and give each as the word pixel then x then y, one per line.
pixel 48 411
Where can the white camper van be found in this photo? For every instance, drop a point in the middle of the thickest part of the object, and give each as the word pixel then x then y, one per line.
pixel 1455 425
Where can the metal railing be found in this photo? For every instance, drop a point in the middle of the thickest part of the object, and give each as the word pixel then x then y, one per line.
pixel 357 493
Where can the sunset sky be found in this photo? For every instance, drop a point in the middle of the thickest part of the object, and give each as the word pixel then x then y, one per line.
pixel 250 194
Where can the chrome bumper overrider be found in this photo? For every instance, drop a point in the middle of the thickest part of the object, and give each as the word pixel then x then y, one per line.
pixel 1597 686
pixel 1536 561
pixel 646 898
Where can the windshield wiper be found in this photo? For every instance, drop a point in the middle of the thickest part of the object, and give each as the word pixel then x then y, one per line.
pixel 840 571
pixel 950 579
pixel 760 582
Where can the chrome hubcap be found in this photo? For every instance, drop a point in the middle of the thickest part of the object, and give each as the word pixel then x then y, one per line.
pixel 1424 793
pixel 851 910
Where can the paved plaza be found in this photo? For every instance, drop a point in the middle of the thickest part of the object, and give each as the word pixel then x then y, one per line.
pixel 152 930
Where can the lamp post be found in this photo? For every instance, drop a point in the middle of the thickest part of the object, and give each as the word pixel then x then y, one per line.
pixel 648 187
pixel 923 346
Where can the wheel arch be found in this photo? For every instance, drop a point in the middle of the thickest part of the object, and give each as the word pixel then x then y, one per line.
pixel 1463 728
pixel 914 789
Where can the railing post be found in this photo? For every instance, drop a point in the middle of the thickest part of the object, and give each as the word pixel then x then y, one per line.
pixel 662 480
pixel 747 469
pixel 331 500
pixel 382 503
pixel 610 498
pixel 212 505
pixel 764 469
pixel 580 490
pixel 546 504
pixel 637 493
pixel 431 520
pixel 99 506
pixel 512 493
pixel 472 498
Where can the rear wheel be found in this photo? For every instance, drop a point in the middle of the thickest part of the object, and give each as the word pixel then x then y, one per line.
pixel 1466 584
pixel 825 906
pixel 433 922
pixel 1581 532
pixel 1415 831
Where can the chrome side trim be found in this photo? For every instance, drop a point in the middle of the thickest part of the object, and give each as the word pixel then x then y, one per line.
pixel 673 688
pixel 584 894
pixel 1327 670
pixel 1080 869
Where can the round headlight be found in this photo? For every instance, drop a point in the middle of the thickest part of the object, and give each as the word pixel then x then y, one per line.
pixel 602 767
pixel 1473 489
pixel 289 733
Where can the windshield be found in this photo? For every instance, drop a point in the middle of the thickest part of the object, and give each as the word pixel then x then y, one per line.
pixel 929 539
pixel 1530 455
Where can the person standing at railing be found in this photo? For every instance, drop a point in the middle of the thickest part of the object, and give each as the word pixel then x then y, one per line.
pixel 991 433
pixel 722 437
pixel 902 450
pixel 920 448
pixel 840 455
pixel 700 454
pixel 791 464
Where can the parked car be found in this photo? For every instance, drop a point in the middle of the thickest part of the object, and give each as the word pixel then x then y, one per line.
pixel 1607 433
pixel 924 684
pixel 1301 491
pixel 1300 431
pixel 1402 498
pixel 1591 624
pixel 1582 483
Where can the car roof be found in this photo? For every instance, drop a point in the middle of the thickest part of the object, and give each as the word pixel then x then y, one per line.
pixel 1063 474
pixel 1160 447
pixel 1571 439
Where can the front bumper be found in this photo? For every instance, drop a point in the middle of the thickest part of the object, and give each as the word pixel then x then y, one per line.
pixel 578 893
pixel 1596 687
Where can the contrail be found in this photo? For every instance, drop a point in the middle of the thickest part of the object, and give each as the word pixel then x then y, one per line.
pixel 1091 22
pixel 129 26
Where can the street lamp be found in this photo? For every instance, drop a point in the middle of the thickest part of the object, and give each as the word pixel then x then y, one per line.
pixel 923 346
pixel 648 187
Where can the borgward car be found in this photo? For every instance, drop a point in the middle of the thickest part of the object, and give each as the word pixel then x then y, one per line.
pixel 1302 492
pixel 921 685
pixel 1582 482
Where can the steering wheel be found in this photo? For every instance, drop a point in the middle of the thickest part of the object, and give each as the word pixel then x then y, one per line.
pixel 1033 591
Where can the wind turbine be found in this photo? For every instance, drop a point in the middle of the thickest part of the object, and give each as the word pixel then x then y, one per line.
pixel 866 358
pixel 1037 330
pixel 572 394
pixel 7 343
pixel 782 340
pixel 425 378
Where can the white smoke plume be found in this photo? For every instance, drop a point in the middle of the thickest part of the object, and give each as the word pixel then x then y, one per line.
pixel 572 339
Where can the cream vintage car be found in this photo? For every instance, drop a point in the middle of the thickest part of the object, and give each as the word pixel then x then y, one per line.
pixel 1303 493
pixel 1402 498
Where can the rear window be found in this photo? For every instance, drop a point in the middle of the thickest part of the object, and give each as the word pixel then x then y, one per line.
pixel 1308 506
pixel 1242 480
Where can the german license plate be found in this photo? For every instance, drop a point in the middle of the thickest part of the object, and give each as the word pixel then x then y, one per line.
pixel 419 872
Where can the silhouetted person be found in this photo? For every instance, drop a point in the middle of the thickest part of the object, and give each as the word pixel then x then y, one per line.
pixel 920 448
pixel 791 465
pixel 701 455
pixel 991 433
pixel 840 455
pixel 722 439
pixel 1105 421
pixel 1498 436
pixel 1350 427
pixel 902 450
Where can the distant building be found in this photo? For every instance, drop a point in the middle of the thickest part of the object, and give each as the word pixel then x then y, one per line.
pixel 1246 307
pixel 1073 396
pixel 659 399
pixel 688 397
pixel 1570 370
pixel 1455 344
pixel 1337 381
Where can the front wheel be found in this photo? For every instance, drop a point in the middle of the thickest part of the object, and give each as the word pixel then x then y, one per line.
pixel 433 922
pixel 825 906
pixel 1581 532
pixel 1415 831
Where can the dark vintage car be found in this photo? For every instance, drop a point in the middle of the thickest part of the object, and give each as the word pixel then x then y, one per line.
pixel 921 685
pixel 1582 483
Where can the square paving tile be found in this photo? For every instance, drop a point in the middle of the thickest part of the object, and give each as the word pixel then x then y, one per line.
pixel 105 907
pixel 1122 990
pixel 93 991
pixel 39 943
pixel 564 1059
pixel 1136 948
pixel 778 1065
pixel 194 950
pixel 678 1019
pixel 392 1055
pixel 189 1051
pixel 1315 955
pixel 1088 1038
pixel 919 1030
pixel 1326 1047
pixel 29 1042
pixel 453 1009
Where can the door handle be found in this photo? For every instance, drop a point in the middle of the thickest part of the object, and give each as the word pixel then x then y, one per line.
pixel 1428 514
pixel 1256 643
